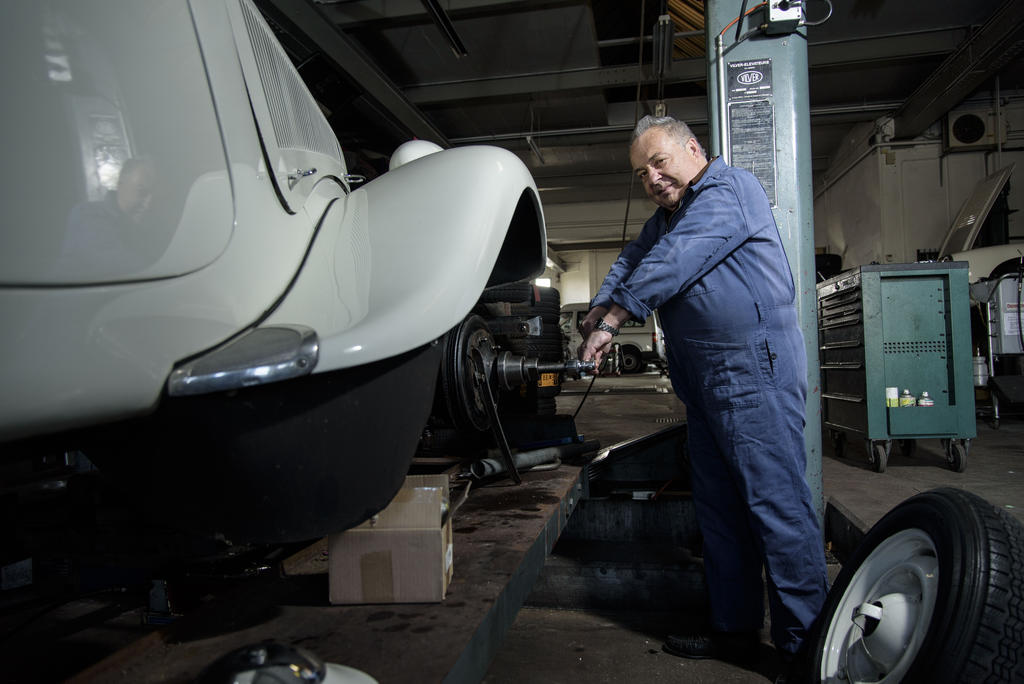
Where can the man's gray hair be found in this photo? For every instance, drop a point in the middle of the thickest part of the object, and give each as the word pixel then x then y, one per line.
pixel 674 127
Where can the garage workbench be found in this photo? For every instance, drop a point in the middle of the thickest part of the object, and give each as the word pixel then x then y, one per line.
pixel 502 536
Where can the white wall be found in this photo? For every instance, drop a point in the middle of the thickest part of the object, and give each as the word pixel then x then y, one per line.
pixel 847 216
pixel 584 271
pixel 589 221
pixel 884 202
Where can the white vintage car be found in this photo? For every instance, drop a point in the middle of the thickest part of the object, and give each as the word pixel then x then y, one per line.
pixel 195 293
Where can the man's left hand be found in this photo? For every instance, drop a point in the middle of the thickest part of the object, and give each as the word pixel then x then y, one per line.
pixel 597 344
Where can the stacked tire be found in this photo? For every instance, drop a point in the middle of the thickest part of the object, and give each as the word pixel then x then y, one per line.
pixel 510 310
pixel 519 318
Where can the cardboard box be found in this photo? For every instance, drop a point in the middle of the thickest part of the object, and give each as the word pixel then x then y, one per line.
pixel 401 555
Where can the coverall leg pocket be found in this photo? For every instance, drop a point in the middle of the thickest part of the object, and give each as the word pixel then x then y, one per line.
pixel 729 372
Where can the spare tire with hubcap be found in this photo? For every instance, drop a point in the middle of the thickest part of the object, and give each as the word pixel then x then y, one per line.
pixel 934 593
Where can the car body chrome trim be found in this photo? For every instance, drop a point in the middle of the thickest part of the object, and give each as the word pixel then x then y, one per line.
pixel 261 356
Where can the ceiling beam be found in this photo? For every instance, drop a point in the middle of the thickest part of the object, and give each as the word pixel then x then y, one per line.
pixel 886 48
pixel 589 245
pixel 576 79
pixel 347 14
pixel 557 262
pixel 695 107
pixel 979 57
pixel 349 59
pixel 445 26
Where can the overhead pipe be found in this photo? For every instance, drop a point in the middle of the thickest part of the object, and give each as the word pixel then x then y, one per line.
pixel 831 110
pixel 621 42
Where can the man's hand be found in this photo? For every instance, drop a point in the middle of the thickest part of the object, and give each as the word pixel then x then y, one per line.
pixel 595 346
pixel 591 319
pixel 597 343
pixel 587 351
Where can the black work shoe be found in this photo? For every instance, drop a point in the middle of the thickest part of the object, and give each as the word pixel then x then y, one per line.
pixel 734 647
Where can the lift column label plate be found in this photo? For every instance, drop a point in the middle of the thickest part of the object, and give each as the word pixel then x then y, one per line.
pixel 752 121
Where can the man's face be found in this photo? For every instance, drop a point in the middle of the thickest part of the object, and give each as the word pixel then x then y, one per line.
pixel 665 166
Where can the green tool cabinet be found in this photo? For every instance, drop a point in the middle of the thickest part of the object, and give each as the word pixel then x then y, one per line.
pixel 905 326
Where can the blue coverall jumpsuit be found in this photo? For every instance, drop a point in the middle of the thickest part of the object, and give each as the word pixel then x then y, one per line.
pixel 716 271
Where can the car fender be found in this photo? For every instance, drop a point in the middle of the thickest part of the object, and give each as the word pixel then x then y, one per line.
pixel 400 261
pixel 983 261
pixel 107 350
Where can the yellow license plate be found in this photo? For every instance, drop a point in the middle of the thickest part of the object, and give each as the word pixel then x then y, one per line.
pixel 548 380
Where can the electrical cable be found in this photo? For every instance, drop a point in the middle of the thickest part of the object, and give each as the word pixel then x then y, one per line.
pixel 585 394
pixel 632 176
pixel 752 32
pixel 636 117
pixel 661 489
pixel 629 197
pixel 739 18
pixel 821 21
pixel 739 24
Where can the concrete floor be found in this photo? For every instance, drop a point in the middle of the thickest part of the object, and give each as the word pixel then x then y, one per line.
pixel 546 645
pixel 551 646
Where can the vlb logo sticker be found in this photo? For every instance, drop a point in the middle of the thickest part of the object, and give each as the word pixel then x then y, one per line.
pixel 750 77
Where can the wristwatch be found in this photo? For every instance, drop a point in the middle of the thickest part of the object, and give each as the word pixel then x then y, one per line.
pixel 601 325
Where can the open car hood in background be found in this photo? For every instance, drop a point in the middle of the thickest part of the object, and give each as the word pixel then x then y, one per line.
pixel 972 215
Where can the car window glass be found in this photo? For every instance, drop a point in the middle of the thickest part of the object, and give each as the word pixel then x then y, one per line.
pixel 110 120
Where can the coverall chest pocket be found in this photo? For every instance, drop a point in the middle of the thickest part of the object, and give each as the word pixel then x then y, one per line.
pixel 730 374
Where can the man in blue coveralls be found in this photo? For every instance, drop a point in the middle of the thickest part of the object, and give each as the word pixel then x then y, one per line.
pixel 711 261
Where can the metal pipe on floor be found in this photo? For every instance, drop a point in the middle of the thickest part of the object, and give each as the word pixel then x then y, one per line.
pixel 525 460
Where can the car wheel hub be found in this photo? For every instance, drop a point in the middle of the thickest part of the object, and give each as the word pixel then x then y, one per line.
pixel 463 381
pixel 885 613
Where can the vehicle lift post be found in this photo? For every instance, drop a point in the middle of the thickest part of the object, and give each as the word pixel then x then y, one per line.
pixel 759 119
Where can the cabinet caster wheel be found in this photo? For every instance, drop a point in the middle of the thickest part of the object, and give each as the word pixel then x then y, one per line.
pixel 956 455
pixel 879 457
